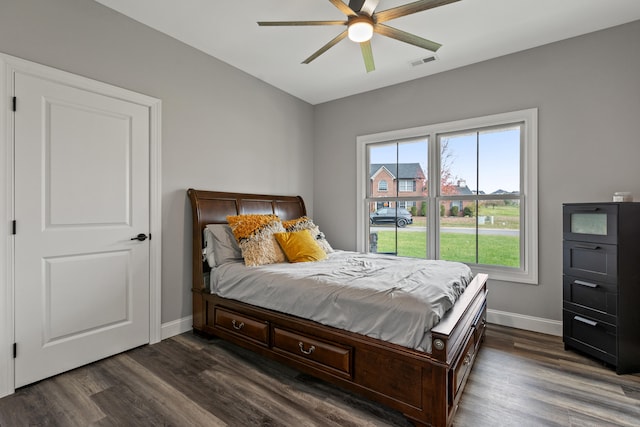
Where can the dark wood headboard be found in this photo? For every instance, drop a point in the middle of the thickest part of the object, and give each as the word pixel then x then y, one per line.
pixel 213 207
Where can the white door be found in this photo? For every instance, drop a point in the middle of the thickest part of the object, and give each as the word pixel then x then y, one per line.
pixel 81 195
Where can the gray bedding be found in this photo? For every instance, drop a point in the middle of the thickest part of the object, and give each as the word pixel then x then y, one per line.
pixel 390 298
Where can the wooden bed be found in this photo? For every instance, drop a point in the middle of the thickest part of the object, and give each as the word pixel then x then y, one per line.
pixel 425 387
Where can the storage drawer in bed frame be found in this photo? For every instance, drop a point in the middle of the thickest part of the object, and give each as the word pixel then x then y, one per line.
pixel 242 325
pixel 328 355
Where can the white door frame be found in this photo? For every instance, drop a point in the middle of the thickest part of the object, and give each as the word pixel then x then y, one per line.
pixel 8 65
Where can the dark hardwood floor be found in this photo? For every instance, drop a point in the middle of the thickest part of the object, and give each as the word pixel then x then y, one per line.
pixel 519 379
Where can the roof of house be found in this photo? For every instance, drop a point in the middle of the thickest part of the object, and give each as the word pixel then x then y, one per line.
pixel 463 190
pixel 399 170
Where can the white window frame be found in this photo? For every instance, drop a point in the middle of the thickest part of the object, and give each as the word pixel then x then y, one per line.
pixel 386 186
pixel 528 271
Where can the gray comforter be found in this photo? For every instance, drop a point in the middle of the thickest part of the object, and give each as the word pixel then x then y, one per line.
pixel 390 298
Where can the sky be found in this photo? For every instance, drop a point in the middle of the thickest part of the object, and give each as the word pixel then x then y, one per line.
pixel 487 160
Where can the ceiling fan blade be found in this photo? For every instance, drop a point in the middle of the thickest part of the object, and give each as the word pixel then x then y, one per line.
pixel 410 8
pixel 367 7
pixel 292 23
pixel 403 36
pixel 326 47
pixel 367 55
pixel 343 7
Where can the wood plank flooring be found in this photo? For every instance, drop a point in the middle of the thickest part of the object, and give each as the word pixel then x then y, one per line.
pixel 519 379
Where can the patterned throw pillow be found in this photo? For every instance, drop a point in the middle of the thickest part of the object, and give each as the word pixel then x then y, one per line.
pixel 305 223
pixel 254 234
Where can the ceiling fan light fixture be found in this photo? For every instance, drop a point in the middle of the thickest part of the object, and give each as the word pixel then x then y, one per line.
pixel 360 29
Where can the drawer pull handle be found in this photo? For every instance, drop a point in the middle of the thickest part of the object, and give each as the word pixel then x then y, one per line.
pixel 237 325
pixel 301 346
pixel 585 321
pixel 589 247
pixel 587 284
pixel 467 359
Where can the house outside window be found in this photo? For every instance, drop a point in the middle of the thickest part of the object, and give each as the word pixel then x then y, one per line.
pixel 474 199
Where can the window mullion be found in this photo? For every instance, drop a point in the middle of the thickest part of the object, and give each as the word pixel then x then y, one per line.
pixel 477 190
pixel 433 205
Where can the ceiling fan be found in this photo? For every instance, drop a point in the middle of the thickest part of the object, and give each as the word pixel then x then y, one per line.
pixel 362 21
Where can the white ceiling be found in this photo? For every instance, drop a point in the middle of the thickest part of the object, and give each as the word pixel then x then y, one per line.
pixel 469 30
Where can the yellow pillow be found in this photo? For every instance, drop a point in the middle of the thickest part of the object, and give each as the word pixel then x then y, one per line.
pixel 306 223
pixel 300 246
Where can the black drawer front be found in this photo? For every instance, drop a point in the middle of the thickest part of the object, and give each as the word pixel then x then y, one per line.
pixel 596 223
pixel 591 294
pixel 593 261
pixel 590 332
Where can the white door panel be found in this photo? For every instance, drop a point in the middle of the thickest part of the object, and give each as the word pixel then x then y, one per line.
pixel 107 305
pixel 105 168
pixel 82 194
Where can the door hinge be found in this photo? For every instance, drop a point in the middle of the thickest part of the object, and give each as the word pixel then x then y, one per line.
pixel 13 227
pixel 15 102
pixel 149 236
pixel 15 350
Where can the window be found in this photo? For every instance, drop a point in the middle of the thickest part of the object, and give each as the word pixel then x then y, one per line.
pixel 407 186
pixel 382 185
pixel 468 189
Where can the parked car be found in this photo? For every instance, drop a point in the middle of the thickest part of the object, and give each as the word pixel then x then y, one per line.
pixel 400 216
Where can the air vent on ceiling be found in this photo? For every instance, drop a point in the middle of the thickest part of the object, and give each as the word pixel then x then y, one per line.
pixel 423 60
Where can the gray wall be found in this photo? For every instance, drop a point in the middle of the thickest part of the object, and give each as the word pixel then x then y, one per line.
pixel 221 128
pixel 587 90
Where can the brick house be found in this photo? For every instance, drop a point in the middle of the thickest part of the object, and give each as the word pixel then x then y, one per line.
pixel 460 189
pixel 393 179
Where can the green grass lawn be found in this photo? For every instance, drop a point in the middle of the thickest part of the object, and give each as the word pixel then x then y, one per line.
pixel 493 249
pixel 504 216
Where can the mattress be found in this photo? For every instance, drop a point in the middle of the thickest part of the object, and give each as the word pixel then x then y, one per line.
pixel 390 298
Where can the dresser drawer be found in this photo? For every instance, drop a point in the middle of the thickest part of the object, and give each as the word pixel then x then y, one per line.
pixel 595 223
pixel 592 261
pixel 462 367
pixel 242 325
pixel 591 335
pixel 592 294
pixel 330 356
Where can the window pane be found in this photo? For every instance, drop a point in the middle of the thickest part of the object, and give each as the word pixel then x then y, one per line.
pixel 499 161
pixel 382 162
pixel 398 228
pixel 457 231
pixel 499 232
pixel 458 164
pixel 399 167
pixel 412 168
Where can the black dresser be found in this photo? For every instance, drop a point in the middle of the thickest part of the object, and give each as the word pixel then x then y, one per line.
pixel 601 283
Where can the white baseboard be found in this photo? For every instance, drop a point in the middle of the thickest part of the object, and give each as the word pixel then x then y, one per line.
pixel 176 327
pixel 521 321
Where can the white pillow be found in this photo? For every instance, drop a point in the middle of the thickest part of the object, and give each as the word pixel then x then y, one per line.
pixel 224 246
pixel 208 253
